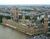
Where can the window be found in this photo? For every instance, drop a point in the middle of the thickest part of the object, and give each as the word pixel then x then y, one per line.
pixel 20 16
pixel 49 29
pixel 48 19
pixel 48 24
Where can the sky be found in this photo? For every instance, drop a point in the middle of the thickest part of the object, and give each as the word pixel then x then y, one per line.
pixel 22 2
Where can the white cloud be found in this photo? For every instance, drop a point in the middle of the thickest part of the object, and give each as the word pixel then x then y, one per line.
pixel 6 2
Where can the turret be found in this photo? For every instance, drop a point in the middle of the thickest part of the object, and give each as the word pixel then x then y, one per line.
pixel 14 12
pixel 45 23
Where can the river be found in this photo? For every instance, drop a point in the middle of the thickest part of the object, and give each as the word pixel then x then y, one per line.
pixel 8 33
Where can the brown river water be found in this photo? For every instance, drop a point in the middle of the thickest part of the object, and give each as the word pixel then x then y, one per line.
pixel 8 33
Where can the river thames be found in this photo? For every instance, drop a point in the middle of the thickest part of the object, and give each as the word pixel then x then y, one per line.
pixel 9 33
